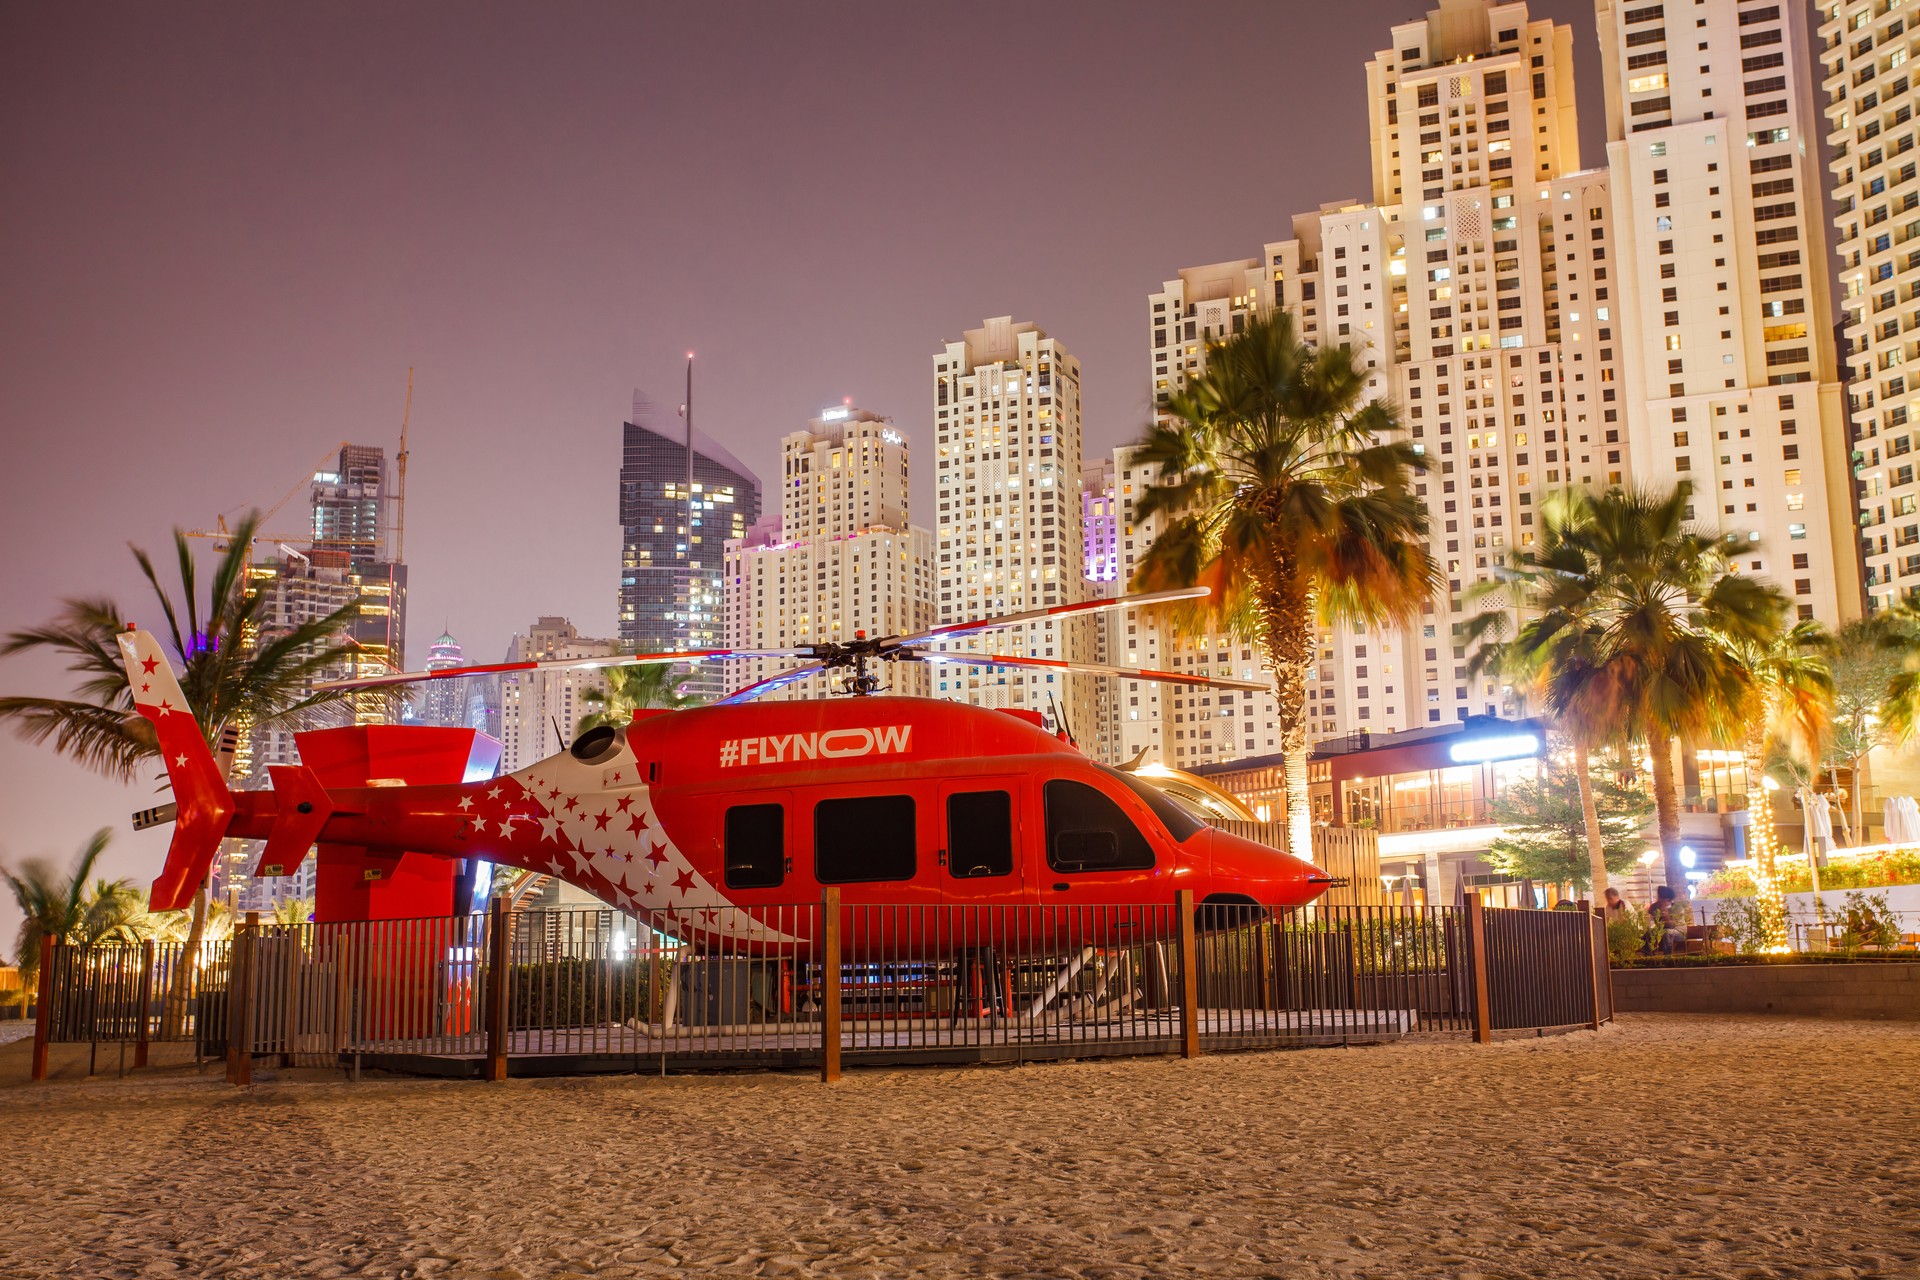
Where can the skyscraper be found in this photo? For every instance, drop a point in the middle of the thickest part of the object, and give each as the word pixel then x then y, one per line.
pixel 444 702
pixel 1730 372
pixel 540 710
pixel 1473 291
pixel 670 574
pixel 1007 425
pixel 1870 103
pixel 841 558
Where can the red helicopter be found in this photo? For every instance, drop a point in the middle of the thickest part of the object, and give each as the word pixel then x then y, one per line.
pixel 683 814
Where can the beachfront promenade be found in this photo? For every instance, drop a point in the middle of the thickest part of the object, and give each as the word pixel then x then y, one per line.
pixel 1661 1145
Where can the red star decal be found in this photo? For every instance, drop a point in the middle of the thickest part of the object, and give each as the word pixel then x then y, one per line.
pixel 571 802
pixel 166 708
pixel 636 822
pixel 627 857
pixel 145 687
pixel 683 881
pixel 554 794
pixel 658 856
pixel 600 821
pixel 148 664
pixel 625 802
pixel 707 914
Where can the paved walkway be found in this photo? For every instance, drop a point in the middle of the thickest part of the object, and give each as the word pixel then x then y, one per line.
pixel 1663 1146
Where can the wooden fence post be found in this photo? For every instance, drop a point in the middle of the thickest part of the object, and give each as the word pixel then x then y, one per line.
pixel 146 997
pixel 830 986
pixel 1189 976
pixel 1598 968
pixel 499 933
pixel 1477 957
pixel 43 1009
pixel 239 1006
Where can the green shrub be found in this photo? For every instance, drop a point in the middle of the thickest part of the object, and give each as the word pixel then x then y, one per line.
pixel 1626 935
pixel 1867 922
pixel 1745 922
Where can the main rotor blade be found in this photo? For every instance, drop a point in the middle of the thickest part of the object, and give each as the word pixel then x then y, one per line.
pixel 1057 611
pixel 1093 669
pixel 758 687
pixel 558 664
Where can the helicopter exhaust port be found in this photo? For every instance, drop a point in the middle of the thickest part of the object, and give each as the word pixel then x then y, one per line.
pixel 598 745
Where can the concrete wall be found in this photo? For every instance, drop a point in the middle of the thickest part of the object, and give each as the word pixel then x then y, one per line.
pixel 1874 989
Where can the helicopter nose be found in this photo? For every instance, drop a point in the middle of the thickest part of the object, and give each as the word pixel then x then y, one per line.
pixel 1248 872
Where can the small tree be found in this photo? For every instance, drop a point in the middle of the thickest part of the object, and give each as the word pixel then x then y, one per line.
pixel 1545 827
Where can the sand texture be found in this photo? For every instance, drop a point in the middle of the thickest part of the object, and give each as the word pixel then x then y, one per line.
pixel 1663 1146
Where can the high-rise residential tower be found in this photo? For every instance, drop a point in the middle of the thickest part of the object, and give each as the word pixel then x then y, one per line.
pixel 540 710
pixel 444 702
pixel 1007 424
pixel 1729 370
pixel 670 573
pixel 1870 104
pixel 842 557
pixel 1474 292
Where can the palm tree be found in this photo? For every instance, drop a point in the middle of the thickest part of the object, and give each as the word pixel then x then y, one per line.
pixel 1638 620
pixel 630 689
pixel 1900 708
pixel 1788 705
pixel 116 911
pixel 53 904
pixel 1559 672
pixel 1285 494
pixel 230 673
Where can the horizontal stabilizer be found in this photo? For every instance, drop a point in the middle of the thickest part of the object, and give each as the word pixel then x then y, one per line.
pixel 301 809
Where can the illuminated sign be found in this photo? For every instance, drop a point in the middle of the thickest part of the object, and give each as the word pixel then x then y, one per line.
pixel 1516 746
pixel 834 415
pixel 891 437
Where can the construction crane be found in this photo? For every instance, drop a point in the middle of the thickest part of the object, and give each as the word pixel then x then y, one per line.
pixel 224 535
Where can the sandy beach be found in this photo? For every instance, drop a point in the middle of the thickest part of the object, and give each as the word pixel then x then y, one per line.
pixel 1660 1146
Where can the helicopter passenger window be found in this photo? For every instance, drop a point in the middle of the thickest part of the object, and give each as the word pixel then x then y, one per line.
pixel 980 833
pixel 1087 831
pixel 756 846
pixel 863 838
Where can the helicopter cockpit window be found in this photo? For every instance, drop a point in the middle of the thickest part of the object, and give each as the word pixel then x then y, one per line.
pixel 980 833
pixel 1087 831
pixel 756 846
pixel 863 838
pixel 1181 821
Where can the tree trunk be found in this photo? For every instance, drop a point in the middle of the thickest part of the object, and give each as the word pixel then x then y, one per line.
pixel 1768 896
pixel 1590 815
pixel 1666 801
pixel 1287 612
pixel 173 1018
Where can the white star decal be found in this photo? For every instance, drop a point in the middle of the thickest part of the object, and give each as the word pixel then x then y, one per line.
pixel 494 794
pixel 466 802
pixel 180 760
pixel 547 827
pixel 506 825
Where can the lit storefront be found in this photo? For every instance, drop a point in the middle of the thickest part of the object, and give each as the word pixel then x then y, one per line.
pixel 1428 792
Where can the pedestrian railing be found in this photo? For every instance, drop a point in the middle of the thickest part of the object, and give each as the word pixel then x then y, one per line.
pixel 823 984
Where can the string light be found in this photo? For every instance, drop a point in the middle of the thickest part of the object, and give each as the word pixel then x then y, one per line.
pixel 1767 894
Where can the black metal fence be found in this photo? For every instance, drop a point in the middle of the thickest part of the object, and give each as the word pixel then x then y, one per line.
pixel 818 984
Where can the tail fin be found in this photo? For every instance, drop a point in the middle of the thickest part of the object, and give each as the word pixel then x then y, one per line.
pixel 199 789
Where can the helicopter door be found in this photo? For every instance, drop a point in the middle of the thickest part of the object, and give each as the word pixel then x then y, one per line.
pixel 1097 853
pixel 981 844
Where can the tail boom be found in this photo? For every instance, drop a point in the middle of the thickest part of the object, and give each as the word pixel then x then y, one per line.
pixel 204 807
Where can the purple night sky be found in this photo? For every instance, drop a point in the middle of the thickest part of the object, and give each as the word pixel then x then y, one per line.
pixel 230 230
